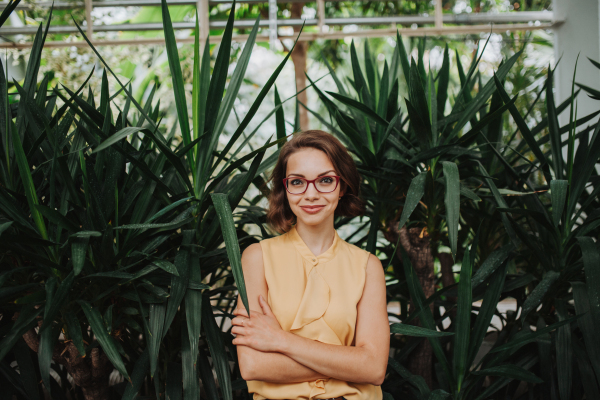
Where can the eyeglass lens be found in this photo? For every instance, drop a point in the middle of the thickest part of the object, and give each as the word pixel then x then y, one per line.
pixel 323 184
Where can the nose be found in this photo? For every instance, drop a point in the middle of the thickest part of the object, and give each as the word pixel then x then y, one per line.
pixel 311 191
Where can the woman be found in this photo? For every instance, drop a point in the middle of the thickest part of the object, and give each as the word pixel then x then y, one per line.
pixel 318 325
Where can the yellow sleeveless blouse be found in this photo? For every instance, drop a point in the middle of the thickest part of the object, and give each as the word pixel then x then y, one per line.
pixel 314 297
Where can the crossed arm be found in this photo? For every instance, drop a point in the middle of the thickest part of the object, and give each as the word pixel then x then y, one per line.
pixel 268 353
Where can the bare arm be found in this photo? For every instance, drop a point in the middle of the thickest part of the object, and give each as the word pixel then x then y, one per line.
pixel 366 362
pixel 255 364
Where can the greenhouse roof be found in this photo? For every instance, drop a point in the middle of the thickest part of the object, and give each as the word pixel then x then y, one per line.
pixel 320 26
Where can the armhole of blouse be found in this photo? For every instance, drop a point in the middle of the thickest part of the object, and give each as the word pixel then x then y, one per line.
pixel 262 249
pixel 367 260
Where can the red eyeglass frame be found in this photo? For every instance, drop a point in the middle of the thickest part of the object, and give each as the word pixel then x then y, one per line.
pixel 309 181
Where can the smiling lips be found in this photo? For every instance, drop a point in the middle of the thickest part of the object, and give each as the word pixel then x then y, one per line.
pixel 312 209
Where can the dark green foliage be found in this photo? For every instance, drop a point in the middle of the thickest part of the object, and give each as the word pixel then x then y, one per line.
pixel 105 237
pixel 125 241
pixel 449 176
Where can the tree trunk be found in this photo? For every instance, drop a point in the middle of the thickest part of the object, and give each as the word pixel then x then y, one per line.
pixel 299 60
pixel 416 243
pixel 446 263
pixel 90 373
pixel 418 247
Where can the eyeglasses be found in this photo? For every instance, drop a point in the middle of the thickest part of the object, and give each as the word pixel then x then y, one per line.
pixel 323 184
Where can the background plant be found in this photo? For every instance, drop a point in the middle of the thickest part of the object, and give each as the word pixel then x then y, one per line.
pixel 118 240
pixel 109 245
pixel 463 181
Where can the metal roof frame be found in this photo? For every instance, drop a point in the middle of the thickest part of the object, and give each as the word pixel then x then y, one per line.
pixel 461 23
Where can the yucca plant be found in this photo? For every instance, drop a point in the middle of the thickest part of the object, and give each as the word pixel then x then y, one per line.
pixel 112 233
pixel 425 146
pixel 454 171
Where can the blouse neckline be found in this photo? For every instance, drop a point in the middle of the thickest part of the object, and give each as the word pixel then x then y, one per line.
pixel 305 251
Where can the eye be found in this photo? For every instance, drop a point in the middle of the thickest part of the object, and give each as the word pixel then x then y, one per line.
pixel 326 180
pixel 296 182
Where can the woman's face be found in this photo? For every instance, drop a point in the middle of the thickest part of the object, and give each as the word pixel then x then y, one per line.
pixel 312 207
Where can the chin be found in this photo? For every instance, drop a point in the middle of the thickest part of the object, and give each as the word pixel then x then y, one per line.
pixel 312 220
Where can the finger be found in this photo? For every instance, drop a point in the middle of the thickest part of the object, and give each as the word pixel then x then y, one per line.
pixel 238 321
pixel 265 306
pixel 236 330
pixel 238 340
pixel 241 312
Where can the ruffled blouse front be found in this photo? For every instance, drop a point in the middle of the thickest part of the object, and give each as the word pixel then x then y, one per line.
pixel 314 297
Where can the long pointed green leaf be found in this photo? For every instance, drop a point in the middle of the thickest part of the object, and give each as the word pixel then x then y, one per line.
pixel 206 374
pixel 511 372
pixel 46 345
pixel 463 320
pixel 156 325
pixel 10 7
pixel 486 312
pixel 525 131
pixel 554 129
pixel 191 384
pixel 501 203
pixel 558 193
pixel 491 263
pixel 588 380
pixel 137 376
pixel 179 283
pixel 58 299
pixel 24 322
pixel 415 380
pixel 564 354
pixel 538 294
pixel 482 97
pixel 360 84
pixel 225 215
pixel 417 331
pixel 452 202
pixel 236 79
pixel 591 264
pixel 443 80
pixel 252 111
pixel 122 134
pixel 217 349
pixel 106 342
pixel 177 78
pixel 193 303
pixel 362 108
pixel 587 325
pixel 74 332
pixel 413 197
pixel 27 182
pixel 78 252
pixel 218 80
pixel 279 118
pixel 526 338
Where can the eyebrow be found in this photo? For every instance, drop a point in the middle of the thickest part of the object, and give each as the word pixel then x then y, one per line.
pixel 321 174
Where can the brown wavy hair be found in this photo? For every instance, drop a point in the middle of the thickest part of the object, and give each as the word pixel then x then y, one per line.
pixel 280 216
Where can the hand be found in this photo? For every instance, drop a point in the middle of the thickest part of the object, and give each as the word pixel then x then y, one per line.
pixel 260 331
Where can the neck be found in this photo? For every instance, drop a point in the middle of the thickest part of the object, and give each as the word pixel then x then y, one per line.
pixel 318 238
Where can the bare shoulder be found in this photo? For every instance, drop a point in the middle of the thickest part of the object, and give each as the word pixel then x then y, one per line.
pixel 254 275
pixel 374 267
pixel 252 264
pixel 374 262
pixel 252 259
pixel 253 253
